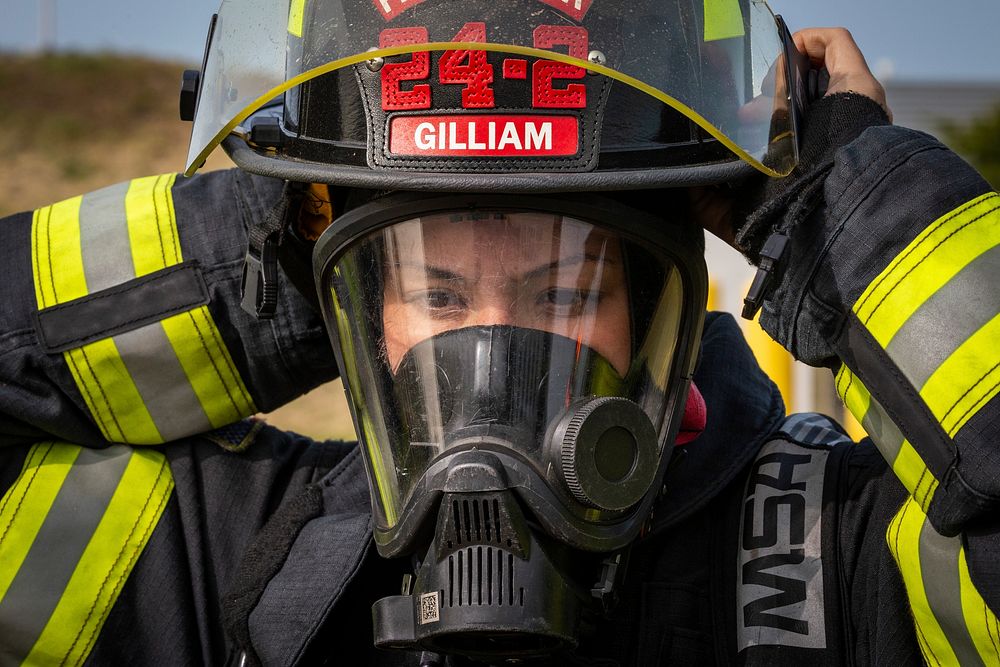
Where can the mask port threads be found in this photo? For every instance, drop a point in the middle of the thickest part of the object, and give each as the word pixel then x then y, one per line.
pixel 606 450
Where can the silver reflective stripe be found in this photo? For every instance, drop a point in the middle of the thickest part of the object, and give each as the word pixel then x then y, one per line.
pixel 104 240
pixel 157 373
pixel 57 548
pixel 939 571
pixel 947 319
pixel 883 431
pixel 780 596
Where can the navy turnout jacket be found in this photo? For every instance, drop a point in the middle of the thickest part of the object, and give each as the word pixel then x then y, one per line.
pixel 145 520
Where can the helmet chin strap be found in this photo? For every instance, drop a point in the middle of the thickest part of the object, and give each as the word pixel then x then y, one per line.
pixel 695 417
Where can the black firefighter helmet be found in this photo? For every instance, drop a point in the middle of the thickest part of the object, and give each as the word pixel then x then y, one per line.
pixel 498 95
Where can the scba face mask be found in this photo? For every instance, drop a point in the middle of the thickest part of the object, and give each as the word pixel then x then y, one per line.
pixel 517 369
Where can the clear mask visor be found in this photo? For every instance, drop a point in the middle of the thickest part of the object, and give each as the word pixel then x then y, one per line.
pixel 480 329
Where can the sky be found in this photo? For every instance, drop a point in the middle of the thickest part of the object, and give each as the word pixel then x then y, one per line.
pixel 928 40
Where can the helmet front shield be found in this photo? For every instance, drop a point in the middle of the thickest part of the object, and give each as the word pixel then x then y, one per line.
pixel 719 63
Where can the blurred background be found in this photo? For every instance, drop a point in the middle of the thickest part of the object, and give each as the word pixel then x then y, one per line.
pixel 88 97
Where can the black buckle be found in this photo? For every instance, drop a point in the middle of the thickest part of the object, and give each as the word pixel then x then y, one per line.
pixel 612 573
pixel 770 255
pixel 259 289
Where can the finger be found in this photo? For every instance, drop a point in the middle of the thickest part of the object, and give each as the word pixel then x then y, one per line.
pixel 835 49
pixel 713 210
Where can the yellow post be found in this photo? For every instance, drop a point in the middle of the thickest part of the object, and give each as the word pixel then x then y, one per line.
pixel 713 295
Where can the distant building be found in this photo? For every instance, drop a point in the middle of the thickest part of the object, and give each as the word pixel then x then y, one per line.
pixel 925 105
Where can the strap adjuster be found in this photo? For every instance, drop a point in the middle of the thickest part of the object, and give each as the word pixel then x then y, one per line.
pixel 259 288
pixel 770 255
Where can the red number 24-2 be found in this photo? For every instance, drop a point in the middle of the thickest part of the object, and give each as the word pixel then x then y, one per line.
pixel 471 67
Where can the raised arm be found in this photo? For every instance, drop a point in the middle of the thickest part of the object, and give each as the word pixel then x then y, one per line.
pixel 122 323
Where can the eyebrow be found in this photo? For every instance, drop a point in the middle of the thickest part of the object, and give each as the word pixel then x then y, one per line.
pixel 432 271
pixel 445 274
pixel 582 258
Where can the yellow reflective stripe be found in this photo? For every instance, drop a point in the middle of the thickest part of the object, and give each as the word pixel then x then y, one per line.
pixel 907 465
pixel 97 404
pixel 111 394
pixel 28 501
pixel 854 394
pixel 296 16
pixel 968 376
pixel 107 561
pixel 954 624
pixel 915 475
pixel 930 261
pixel 966 380
pixel 152 225
pixel 40 256
pixel 723 20
pixel 903 538
pixel 57 261
pixel 982 622
pixel 208 366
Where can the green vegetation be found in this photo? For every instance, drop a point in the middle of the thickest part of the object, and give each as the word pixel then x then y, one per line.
pixel 978 142
pixel 70 100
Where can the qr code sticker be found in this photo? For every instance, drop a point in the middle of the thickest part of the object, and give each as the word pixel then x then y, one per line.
pixel 429 608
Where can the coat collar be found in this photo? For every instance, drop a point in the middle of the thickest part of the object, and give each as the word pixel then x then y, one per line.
pixel 744 408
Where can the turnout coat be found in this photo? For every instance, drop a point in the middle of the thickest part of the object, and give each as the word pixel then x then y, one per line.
pixel 145 520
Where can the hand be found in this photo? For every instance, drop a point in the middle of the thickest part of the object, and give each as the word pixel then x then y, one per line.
pixel 833 48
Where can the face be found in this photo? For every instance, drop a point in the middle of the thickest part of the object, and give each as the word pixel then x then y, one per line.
pixel 535 271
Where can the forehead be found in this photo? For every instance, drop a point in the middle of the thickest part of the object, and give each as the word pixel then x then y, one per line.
pixel 479 232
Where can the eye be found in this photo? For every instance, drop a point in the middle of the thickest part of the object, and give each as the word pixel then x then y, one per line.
pixel 564 301
pixel 437 302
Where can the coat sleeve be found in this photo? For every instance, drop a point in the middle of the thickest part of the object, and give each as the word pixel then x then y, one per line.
pixel 121 319
pixel 891 280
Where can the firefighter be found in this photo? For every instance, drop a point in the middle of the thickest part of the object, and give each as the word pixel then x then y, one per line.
pixel 495 212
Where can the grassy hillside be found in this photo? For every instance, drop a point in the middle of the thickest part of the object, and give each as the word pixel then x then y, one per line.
pixel 71 123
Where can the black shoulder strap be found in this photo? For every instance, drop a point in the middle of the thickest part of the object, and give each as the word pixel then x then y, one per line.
pixel 787 579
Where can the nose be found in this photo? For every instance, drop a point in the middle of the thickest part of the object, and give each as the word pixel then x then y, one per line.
pixel 492 314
